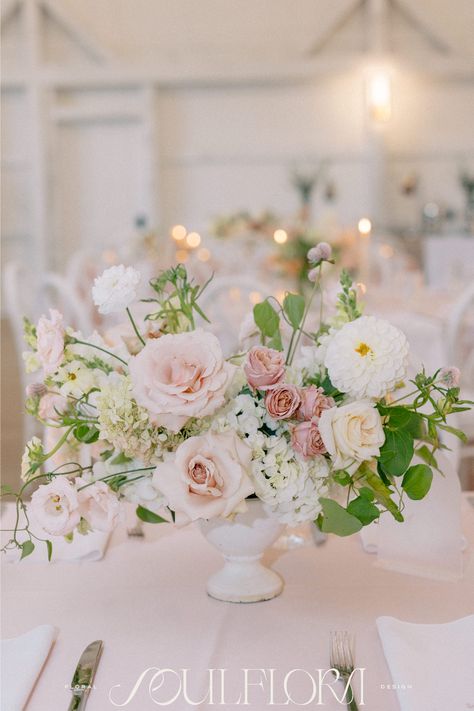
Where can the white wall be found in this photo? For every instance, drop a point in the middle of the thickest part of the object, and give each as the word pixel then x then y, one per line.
pixel 185 153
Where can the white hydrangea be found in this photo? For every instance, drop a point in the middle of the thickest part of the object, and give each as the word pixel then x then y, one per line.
pixel 289 487
pixel 125 424
pixel 115 289
pixel 367 358
pixel 32 361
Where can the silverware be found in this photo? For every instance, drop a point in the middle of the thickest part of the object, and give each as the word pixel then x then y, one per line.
pixel 342 662
pixel 84 674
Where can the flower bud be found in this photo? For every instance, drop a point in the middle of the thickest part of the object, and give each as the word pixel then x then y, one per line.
pixel 321 253
pixel 36 390
pixel 450 376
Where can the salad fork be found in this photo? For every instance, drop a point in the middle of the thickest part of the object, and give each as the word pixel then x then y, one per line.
pixel 342 662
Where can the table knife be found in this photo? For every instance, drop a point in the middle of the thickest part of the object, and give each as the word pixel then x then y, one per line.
pixel 84 675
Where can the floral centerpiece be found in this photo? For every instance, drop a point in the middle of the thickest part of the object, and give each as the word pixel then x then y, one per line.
pixel 308 423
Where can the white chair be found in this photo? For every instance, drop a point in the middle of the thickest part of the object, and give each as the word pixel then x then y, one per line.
pixel 55 291
pixel 460 348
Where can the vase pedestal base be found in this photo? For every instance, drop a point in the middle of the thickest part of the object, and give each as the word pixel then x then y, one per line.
pixel 244 581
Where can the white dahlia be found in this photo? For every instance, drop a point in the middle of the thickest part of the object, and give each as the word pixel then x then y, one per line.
pixel 367 358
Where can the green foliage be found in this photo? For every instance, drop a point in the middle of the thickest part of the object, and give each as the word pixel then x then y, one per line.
pixel 382 492
pixel 27 549
pixel 49 548
pixel 29 333
pixel 177 299
pixel 417 481
pixel 148 516
pixel 363 508
pixel 293 306
pixel 86 433
pixel 347 298
pixel 336 519
pixel 267 321
pixel 396 453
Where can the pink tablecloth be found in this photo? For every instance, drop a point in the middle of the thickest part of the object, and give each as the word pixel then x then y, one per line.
pixel 147 601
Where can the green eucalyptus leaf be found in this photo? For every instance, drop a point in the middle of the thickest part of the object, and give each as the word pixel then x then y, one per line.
pixel 363 509
pixel 396 453
pixel 417 481
pixel 27 548
pixel 149 516
pixel 276 342
pixel 266 318
pixel 293 306
pixel 337 520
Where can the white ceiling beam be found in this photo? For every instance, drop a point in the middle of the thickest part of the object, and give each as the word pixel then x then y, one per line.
pixel 82 38
pixel 336 27
pixel 438 44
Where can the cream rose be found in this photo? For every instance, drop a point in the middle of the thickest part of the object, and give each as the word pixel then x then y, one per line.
pixel 208 477
pixel 352 434
pixel 180 376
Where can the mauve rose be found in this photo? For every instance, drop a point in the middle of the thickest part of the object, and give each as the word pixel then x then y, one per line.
pixel 56 506
pixel 264 367
pixel 282 401
pixel 179 376
pixel 50 341
pixel 207 477
pixel 313 402
pixel 306 439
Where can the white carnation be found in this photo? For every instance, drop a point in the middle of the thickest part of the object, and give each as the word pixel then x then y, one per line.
pixel 115 289
pixel 367 358
pixel 289 487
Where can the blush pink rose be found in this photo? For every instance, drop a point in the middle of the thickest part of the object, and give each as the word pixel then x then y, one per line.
pixel 99 505
pixel 264 367
pixel 50 341
pixel 180 376
pixel 313 402
pixel 55 506
pixel 208 477
pixel 282 401
pixel 306 439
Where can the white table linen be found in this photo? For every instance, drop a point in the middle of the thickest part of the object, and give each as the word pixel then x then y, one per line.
pixel 146 599
pixel 22 659
pixel 442 654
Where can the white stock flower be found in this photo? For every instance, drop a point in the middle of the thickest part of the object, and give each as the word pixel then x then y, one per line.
pixel 115 289
pixel 367 358
pixel 289 486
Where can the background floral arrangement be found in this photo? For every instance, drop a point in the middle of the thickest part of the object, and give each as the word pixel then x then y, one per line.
pixel 152 413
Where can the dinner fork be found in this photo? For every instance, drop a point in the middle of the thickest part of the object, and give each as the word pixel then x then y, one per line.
pixel 342 661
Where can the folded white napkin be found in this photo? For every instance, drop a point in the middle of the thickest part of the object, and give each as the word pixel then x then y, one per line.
pixel 435 663
pixel 22 659
pixel 429 542
pixel 82 548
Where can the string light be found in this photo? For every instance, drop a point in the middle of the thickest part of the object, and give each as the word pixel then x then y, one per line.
pixel 364 226
pixel 280 236
pixel 178 232
pixel 193 239
pixel 204 255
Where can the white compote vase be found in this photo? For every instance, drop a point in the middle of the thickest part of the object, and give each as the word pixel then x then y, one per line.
pixel 242 539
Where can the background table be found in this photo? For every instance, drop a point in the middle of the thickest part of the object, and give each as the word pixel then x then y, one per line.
pixel 146 599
